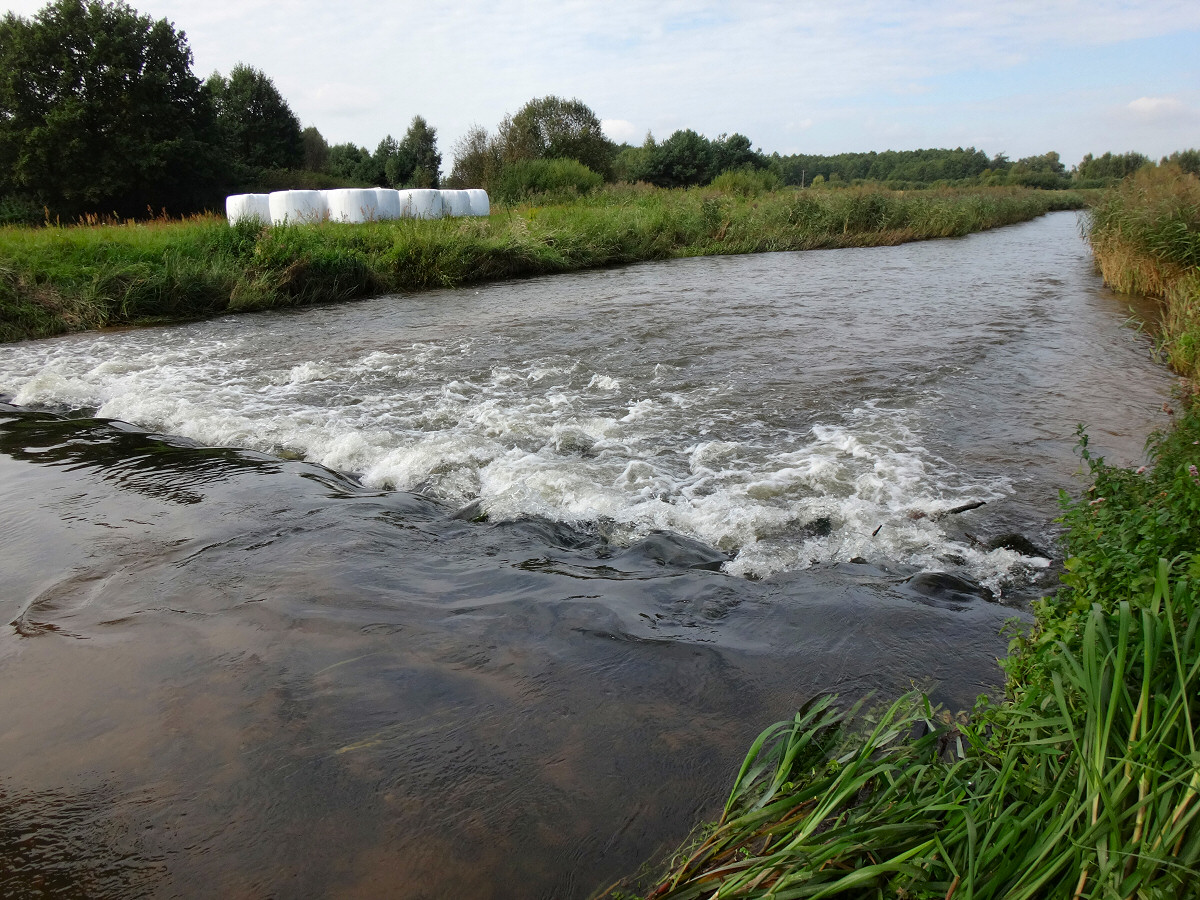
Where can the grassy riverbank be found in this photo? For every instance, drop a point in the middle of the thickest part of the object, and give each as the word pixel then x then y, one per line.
pixel 54 280
pixel 1084 781
pixel 1145 235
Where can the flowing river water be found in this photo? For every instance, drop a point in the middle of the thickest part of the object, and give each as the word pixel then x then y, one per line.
pixel 485 592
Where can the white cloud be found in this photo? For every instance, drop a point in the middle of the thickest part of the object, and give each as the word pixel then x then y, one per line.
pixel 1157 108
pixel 619 130
pixel 340 99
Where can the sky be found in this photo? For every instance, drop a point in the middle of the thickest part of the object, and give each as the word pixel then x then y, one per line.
pixel 1019 78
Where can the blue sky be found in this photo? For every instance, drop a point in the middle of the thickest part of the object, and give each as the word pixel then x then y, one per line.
pixel 1014 77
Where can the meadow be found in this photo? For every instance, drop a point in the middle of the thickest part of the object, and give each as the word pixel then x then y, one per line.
pixel 57 279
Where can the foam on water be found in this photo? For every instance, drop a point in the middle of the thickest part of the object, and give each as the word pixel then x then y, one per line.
pixel 788 409
pixel 543 437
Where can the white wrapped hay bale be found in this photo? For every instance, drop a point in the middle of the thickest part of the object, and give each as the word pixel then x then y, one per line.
pixel 406 204
pixel 245 207
pixel 456 203
pixel 297 207
pixel 426 203
pixel 353 205
pixel 388 203
pixel 480 205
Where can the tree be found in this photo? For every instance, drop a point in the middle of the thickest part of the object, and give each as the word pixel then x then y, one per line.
pixel 735 152
pixel 554 128
pixel 100 111
pixel 420 143
pixel 353 164
pixel 1045 171
pixel 1110 166
pixel 1187 160
pixel 257 126
pixel 477 160
pixel 316 150
pixel 682 160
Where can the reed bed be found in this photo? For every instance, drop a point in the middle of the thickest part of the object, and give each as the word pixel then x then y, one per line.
pixel 1145 235
pixel 59 279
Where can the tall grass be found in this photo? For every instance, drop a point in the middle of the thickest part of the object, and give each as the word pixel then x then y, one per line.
pixel 1145 235
pixel 1082 784
pixel 61 279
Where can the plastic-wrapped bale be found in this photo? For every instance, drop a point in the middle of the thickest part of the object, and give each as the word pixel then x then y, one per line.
pixel 406 204
pixel 353 205
pixel 456 203
pixel 426 203
pixel 388 203
pixel 480 205
pixel 297 207
pixel 244 207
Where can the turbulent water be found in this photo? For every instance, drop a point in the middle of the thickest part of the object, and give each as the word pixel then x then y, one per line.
pixel 501 581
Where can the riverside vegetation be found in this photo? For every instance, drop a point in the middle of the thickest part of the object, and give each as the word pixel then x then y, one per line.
pixel 1084 781
pixel 58 279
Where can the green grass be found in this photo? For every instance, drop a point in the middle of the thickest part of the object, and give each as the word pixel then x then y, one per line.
pixel 1083 782
pixel 61 279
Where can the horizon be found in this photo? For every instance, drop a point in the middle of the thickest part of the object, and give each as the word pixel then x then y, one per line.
pixel 1017 80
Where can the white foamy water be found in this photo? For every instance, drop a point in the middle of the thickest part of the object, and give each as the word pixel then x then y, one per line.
pixel 789 410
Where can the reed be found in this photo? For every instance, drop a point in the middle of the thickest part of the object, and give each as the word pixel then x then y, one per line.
pixel 59 279
pixel 1145 235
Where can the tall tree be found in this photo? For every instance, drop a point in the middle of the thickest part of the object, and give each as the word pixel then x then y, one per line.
pixel 394 162
pixel 420 144
pixel 257 125
pixel 100 111
pixel 316 149
pixel 477 160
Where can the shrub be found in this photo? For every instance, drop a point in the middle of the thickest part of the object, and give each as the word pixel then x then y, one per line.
pixel 747 182
pixel 555 178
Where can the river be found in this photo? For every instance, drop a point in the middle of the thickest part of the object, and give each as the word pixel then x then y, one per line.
pixel 485 592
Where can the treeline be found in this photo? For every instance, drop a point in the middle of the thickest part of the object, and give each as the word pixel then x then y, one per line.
pixel 556 146
pixel 101 113
pixel 903 169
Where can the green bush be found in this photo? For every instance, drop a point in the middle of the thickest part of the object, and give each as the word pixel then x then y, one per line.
pixel 555 179
pixel 20 211
pixel 747 182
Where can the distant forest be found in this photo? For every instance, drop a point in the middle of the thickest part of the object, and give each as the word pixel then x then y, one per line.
pixel 101 114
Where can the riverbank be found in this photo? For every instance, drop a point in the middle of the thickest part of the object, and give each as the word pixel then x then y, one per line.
pixel 55 280
pixel 1145 235
pixel 1084 781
